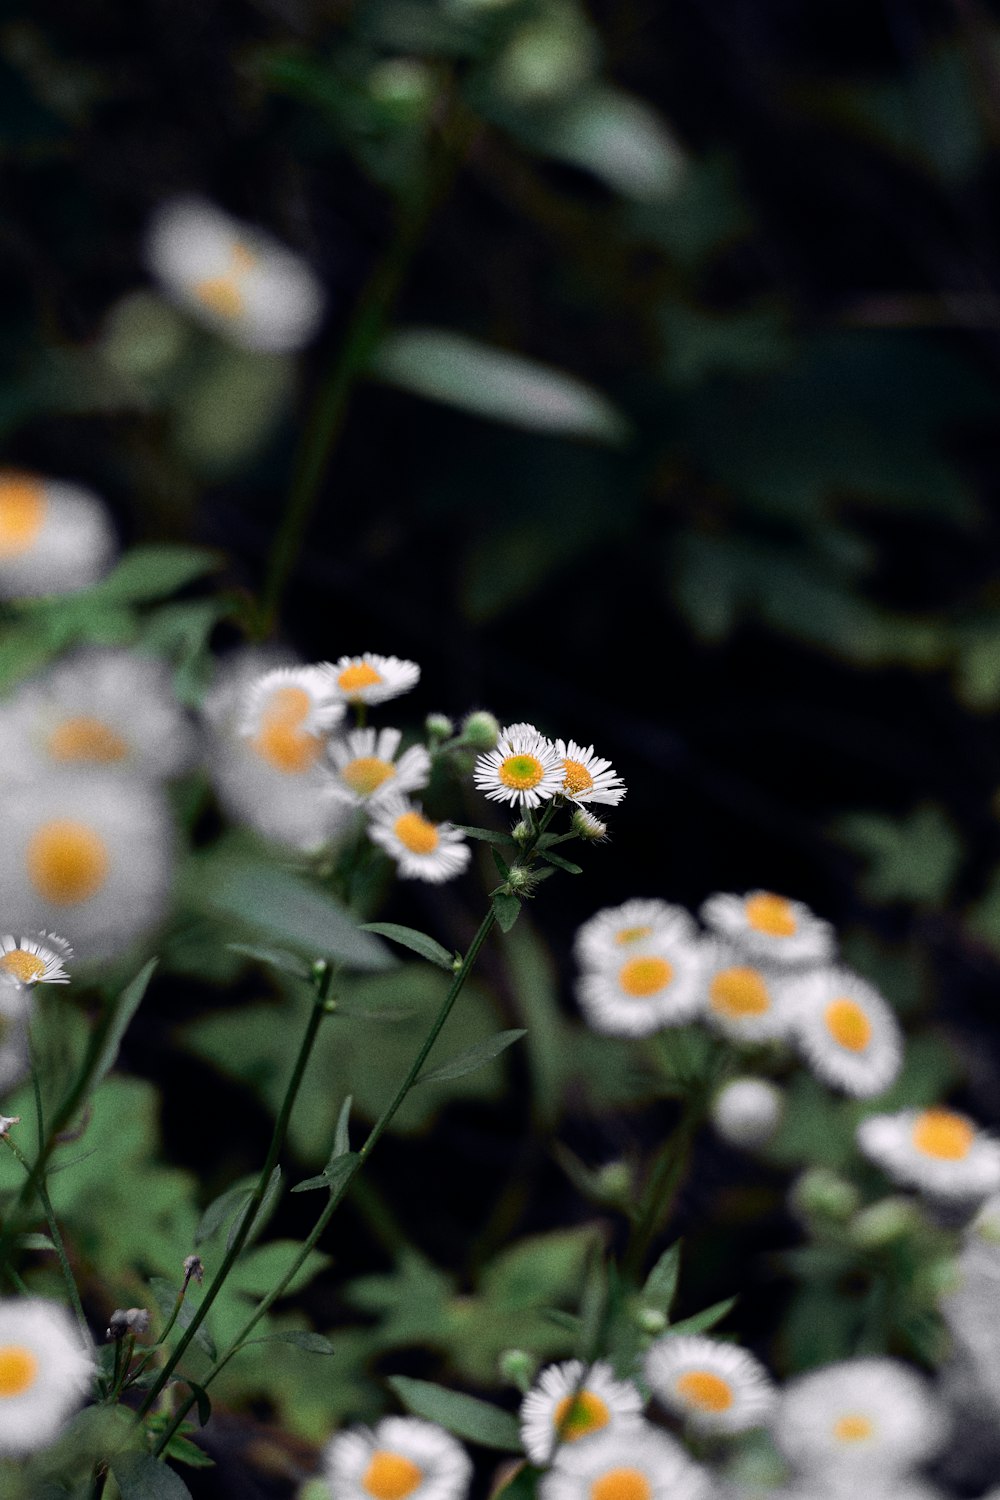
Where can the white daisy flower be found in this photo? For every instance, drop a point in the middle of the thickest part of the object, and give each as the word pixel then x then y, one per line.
pixel 100 707
pixel 45 1373
pixel 637 1462
pixel 236 279
pixel 848 1034
pixel 15 1013
pixel 423 850
pixel 287 713
pixel 867 1418
pixel 55 537
pixel 571 1401
pixel 769 928
pixel 366 770
pixel 717 1387
pixel 373 679
pixel 35 960
pixel 402 1458
pixel 938 1151
pixel 744 999
pixel 586 776
pixel 91 853
pixel 525 768
pixel 635 995
pixel 637 926
pixel 746 1112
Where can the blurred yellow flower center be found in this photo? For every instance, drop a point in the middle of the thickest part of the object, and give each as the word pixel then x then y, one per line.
pixel 942 1134
pixel 87 739
pixel 22 511
pixel 390 1476
pixel 358 675
pixel 281 740
pixel 27 967
pixel 739 992
pixel 705 1390
pixel 771 914
pixel 18 1369
pixel 848 1024
pixel 366 774
pixel 67 862
pixel 521 772
pixel 575 1416
pixel 221 295
pixel 853 1428
pixel 576 778
pixel 418 834
pixel 632 934
pixel 621 1484
pixel 242 260
pixel 644 976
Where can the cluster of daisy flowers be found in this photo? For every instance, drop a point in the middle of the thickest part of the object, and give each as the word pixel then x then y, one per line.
pixel 526 769
pixel 762 971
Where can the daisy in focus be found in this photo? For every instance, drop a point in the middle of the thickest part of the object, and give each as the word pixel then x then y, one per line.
pixel 636 993
pixel 586 776
pixel 637 1462
pixel 745 1001
pixel 847 1032
pixel 35 960
pixel 866 1418
pixel 372 679
pixel 55 537
pixel 236 279
pixel 103 708
pixel 769 928
pixel 717 1387
pixel 525 769
pixel 571 1401
pixel 940 1152
pixel 422 850
pixel 366 769
pixel 45 1373
pixel 402 1458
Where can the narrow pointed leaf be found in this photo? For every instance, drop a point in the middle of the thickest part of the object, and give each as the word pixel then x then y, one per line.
pixel 409 937
pixel 341 1136
pixel 312 1343
pixel 473 1057
pixel 465 1416
pixel 331 1176
pixel 705 1319
pixel 221 1208
pixel 485 835
pixel 267 1206
pixel 661 1283
pixel 560 863
pixel 507 908
pixel 128 1003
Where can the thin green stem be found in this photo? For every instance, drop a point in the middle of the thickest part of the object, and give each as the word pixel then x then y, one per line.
pixel 661 1189
pixel 337 1196
pixel 54 1234
pixel 249 1213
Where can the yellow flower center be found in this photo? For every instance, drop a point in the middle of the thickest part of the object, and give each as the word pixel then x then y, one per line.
pixel 418 834
pixel 738 993
pixel 576 778
pixel 771 914
pixel 944 1135
pixel 853 1428
pixel 22 511
pixel 221 295
pixel 705 1390
pixel 366 774
pixel 621 1484
pixel 645 976
pixel 27 967
pixel 357 676
pixel 575 1416
pixel 242 260
pixel 281 740
pixel 848 1024
pixel 87 739
pixel 18 1369
pixel 626 935
pixel 67 862
pixel 390 1476
pixel 521 772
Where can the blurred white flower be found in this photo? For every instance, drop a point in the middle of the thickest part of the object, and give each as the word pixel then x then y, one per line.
pixel 402 1458
pixel 366 769
pixel 370 678
pixel 635 927
pixel 45 1372
pixel 939 1151
pixel 769 928
pixel 637 1462
pixel 570 1401
pixel 717 1387
pixel 237 279
pixel 743 999
pixel 422 850
pixel 848 1034
pixel 55 537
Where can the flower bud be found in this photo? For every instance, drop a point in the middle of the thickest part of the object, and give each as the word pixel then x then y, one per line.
pixel 651 1319
pixel 132 1320
pixel 747 1111
pixel 439 727
pixel 820 1193
pixel 480 730
pixel 519 880
pixel 521 832
pixel 194 1269
pixel 517 1367
pixel 883 1222
pixel 586 826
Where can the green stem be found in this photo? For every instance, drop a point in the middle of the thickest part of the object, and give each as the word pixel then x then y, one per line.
pixel 199 1314
pixel 658 1199
pixel 337 1196
pixel 56 1237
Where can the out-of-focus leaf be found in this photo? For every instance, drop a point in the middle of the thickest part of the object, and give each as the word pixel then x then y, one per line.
pixel 151 572
pixel 222 1208
pixel 472 1058
pixel 622 140
pixel 459 371
pixel 915 858
pixel 700 1322
pixel 467 1417
pixel 141 1477
pixel 301 1338
pixel 661 1283
pixel 418 942
pixel 268 1204
pixel 125 1008
pixel 230 409
pixel 697 344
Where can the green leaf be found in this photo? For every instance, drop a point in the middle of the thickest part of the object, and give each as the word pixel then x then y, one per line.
pixel 419 942
pixel 473 1058
pixel 560 863
pixel 620 139
pixel 35 1242
pixel 507 907
pixel 183 1451
pixel 915 858
pixel 494 383
pixel 219 1210
pixel 502 867
pixel 165 1295
pixel 202 1400
pixel 274 958
pixel 661 1283
pixel 141 1477
pixel 312 1343
pixel 268 1204
pixel 468 1418
pixel 126 1007
pixel 332 1174
pixel 705 1319
pixel 341 1136
pixel 153 572
pixel 484 835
